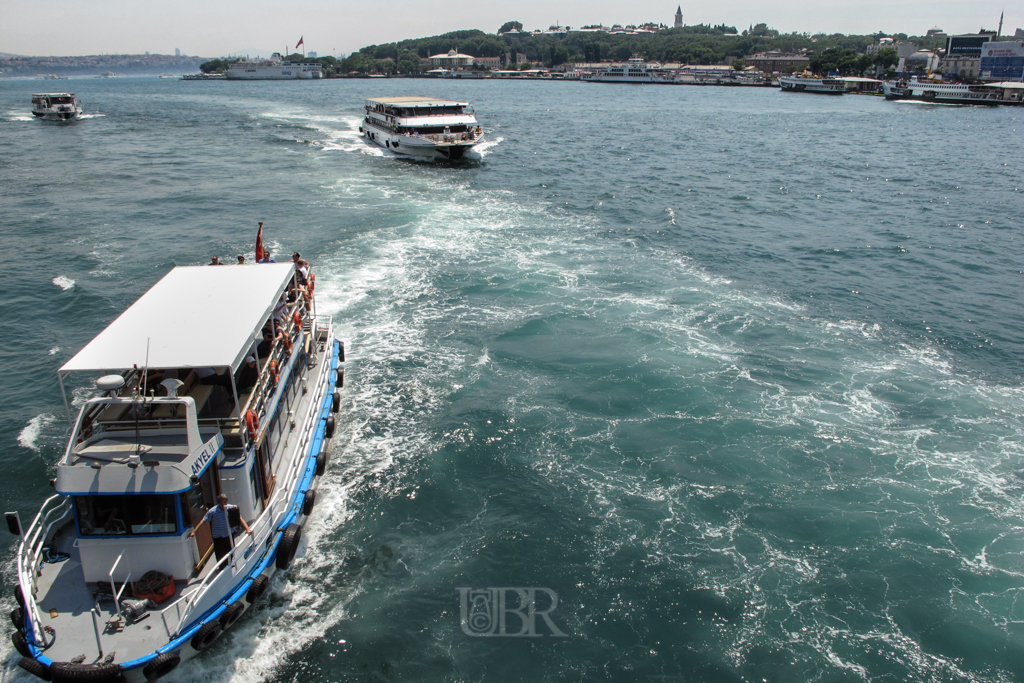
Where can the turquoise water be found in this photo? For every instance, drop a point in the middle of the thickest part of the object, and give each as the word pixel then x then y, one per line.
pixel 736 372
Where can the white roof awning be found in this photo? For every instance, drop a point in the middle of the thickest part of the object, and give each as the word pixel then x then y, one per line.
pixel 195 317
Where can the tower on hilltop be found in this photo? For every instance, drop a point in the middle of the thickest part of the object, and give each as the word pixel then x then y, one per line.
pixel 679 17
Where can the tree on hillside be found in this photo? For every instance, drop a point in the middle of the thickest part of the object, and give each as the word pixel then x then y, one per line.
pixel 509 25
pixel 886 58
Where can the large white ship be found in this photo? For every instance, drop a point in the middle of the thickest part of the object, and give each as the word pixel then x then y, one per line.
pixel 273 69
pixel 635 70
pixel 422 127
pixel 948 93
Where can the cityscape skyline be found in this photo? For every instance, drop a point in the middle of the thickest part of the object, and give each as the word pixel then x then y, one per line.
pixel 122 27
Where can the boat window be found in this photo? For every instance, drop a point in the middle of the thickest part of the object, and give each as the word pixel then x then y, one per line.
pixel 126 515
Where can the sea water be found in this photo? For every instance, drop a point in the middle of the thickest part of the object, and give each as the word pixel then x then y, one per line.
pixel 734 373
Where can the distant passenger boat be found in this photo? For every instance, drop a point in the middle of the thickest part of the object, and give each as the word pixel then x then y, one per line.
pixel 122 575
pixel 422 127
pixel 272 69
pixel 824 86
pixel 635 70
pixel 945 93
pixel 56 106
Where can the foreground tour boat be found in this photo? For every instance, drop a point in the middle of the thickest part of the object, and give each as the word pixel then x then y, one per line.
pixel 116 574
pixel 422 127
pixel 56 106
pixel 825 86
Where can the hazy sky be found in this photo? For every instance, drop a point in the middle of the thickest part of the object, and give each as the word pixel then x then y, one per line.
pixel 212 28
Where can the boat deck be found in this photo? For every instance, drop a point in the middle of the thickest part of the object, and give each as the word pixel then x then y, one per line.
pixel 66 603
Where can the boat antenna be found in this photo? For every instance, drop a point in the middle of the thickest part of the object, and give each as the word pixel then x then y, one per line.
pixel 145 375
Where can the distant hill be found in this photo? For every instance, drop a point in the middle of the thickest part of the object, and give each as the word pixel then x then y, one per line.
pixel 98 64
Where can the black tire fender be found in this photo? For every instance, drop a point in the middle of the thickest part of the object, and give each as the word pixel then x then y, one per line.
pixel 35 668
pixel 101 672
pixel 336 402
pixel 20 644
pixel 288 545
pixel 18 617
pixel 321 462
pixel 340 382
pixel 309 500
pixel 257 589
pixel 329 428
pixel 163 664
pixel 207 634
pixel 19 596
pixel 231 614
pixel 341 352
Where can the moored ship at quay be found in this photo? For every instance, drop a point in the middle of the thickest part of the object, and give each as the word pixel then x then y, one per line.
pixel 273 69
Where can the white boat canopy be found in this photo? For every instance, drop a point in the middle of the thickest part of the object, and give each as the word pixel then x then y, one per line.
pixel 195 317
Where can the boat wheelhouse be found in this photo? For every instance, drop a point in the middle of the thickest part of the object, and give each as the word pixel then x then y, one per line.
pixel 218 380
pixel 56 106
pixel 422 127
pixel 821 86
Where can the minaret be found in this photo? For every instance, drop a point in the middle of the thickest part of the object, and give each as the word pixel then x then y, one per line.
pixel 999 31
pixel 679 17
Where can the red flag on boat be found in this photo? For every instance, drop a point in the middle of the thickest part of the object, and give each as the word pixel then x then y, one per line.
pixel 300 42
pixel 260 253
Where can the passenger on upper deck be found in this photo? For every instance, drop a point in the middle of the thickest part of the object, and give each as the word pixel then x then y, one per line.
pixel 266 257
pixel 248 375
pixel 215 261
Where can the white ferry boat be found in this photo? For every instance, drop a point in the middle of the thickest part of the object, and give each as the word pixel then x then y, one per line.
pixel 826 86
pixel 947 93
pixel 422 127
pixel 116 579
pixel 636 70
pixel 273 69
pixel 56 106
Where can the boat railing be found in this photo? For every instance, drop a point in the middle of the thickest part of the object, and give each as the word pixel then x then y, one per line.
pixel 30 552
pixel 295 320
pixel 281 501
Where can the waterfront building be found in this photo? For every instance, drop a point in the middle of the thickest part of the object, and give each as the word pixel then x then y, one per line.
pixel 963 56
pixel 778 62
pixel 451 60
pixel 883 44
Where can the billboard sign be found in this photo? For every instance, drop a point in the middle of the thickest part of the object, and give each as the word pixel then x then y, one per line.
pixel 1003 61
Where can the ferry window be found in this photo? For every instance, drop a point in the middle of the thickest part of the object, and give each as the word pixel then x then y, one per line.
pixel 126 515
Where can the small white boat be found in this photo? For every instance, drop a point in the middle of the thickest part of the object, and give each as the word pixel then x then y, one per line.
pixel 56 106
pixel 116 579
pixel 823 86
pixel 422 127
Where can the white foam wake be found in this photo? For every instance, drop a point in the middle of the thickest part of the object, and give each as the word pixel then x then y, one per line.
pixel 29 436
pixel 64 283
